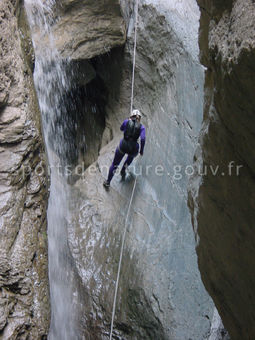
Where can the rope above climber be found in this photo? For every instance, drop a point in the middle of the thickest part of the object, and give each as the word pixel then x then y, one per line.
pixel 133 130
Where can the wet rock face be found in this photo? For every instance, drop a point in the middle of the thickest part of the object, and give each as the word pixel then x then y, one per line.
pixel 223 203
pixel 24 303
pixel 161 295
pixel 88 28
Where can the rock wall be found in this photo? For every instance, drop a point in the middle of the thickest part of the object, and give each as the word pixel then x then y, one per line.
pixel 222 202
pixel 24 298
pixel 102 28
pixel 161 295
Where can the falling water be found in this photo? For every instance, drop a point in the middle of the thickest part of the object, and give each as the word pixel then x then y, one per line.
pixel 52 77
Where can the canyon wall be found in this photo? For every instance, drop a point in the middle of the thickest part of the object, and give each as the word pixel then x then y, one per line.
pixel 161 295
pixel 222 202
pixel 24 296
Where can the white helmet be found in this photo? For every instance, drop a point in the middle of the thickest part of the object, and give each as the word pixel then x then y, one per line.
pixel 136 113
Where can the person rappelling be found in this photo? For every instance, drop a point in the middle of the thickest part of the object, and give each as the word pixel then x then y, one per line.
pixel 133 130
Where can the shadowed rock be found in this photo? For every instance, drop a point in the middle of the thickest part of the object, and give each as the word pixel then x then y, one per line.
pixel 24 296
pixel 223 203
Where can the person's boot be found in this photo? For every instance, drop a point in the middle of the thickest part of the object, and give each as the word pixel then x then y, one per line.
pixel 106 184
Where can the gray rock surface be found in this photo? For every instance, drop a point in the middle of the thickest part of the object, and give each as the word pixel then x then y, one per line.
pixel 223 203
pixel 161 295
pixel 88 28
pixel 24 302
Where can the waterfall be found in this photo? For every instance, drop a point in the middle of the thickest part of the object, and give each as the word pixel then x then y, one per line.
pixel 52 77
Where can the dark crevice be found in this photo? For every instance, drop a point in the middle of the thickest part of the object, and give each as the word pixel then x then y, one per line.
pixel 81 121
pixel 84 110
pixel 90 116
pixel 13 287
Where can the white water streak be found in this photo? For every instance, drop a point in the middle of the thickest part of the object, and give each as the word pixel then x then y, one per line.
pixel 52 82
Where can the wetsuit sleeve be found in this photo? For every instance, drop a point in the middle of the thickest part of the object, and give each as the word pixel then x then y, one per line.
pixel 142 137
pixel 123 125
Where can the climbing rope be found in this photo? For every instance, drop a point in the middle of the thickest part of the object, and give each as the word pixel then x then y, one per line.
pixel 120 260
pixel 134 186
pixel 134 57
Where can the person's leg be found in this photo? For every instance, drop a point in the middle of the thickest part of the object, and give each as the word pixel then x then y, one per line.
pixel 116 161
pixel 128 161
